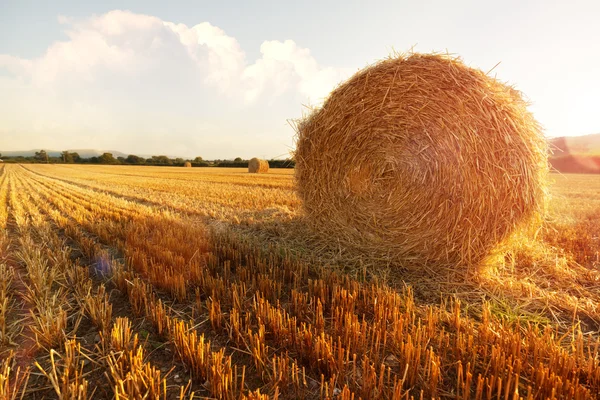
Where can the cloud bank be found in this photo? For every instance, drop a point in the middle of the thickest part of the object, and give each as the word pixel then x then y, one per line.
pixel 138 83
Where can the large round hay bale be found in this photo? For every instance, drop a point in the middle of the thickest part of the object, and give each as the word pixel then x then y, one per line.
pixel 258 166
pixel 187 164
pixel 423 159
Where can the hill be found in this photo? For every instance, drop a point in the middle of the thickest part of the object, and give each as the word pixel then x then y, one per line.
pixel 83 153
pixel 576 154
pixel 582 145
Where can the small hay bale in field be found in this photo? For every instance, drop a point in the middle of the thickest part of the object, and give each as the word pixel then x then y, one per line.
pixel 423 159
pixel 187 164
pixel 258 166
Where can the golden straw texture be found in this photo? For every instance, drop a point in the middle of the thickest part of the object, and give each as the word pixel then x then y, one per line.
pixel 421 158
pixel 258 166
pixel 187 164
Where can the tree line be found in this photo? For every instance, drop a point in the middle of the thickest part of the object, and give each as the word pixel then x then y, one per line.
pixel 67 157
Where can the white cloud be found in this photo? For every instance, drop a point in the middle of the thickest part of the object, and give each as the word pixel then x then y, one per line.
pixel 284 65
pixel 124 74
pixel 15 65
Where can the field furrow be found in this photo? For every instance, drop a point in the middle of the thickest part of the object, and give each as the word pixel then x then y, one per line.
pixel 126 365
pixel 105 264
pixel 192 197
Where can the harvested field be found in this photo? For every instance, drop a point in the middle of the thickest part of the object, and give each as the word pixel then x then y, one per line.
pixel 171 283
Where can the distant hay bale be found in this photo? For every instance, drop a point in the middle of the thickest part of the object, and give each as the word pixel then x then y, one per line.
pixel 258 166
pixel 423 159
pixel 187 164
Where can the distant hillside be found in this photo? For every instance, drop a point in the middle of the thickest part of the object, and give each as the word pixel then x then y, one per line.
pixel 570 154
pixel 87 153
pixel 582 145
pixel 83 153
pixel 576 154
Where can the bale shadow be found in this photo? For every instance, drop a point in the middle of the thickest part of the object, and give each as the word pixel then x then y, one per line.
pixel 524 280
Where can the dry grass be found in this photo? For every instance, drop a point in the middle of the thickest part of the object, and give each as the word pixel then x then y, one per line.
pixel 132 377
pixel 99 309
pixel 13 379
pixel 6 304
pixel 422 158
pixel 66 373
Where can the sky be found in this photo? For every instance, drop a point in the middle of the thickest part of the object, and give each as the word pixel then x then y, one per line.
pixel 225 79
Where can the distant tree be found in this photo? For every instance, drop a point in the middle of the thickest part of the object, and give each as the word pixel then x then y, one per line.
pixel 179 161
pixel 161 160
pixel 287 163
pixel 69 158
pixel 238 159
pixel 107 158
pixel 198 159
pixel 41 155
pixel 76 157
pixel 133 159
pixel 121 160
pixel 94 160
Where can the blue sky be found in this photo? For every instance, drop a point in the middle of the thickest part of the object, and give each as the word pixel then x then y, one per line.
pixel 221 79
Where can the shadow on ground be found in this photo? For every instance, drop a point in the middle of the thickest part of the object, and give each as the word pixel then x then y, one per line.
pixel 525 280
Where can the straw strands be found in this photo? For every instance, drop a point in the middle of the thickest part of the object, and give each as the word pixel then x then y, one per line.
pixel 187 164
pixel 421 158
pixel 258 166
